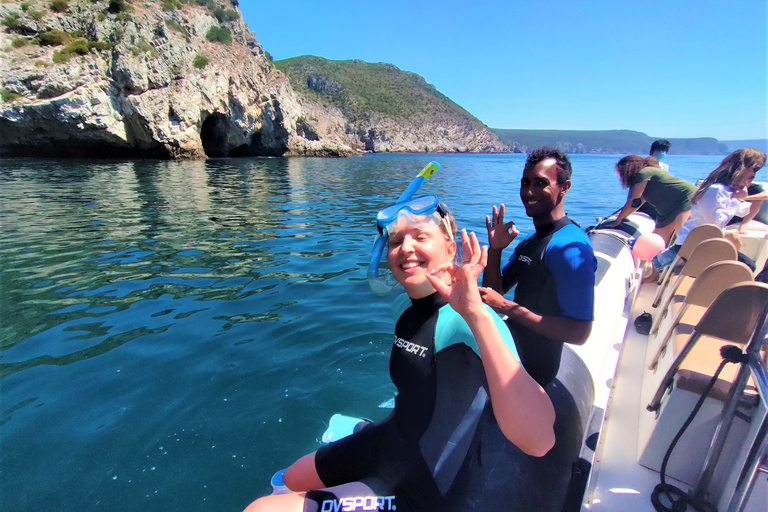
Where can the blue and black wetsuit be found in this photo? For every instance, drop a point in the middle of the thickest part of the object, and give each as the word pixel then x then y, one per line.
pixel 442 448
pixel 554 270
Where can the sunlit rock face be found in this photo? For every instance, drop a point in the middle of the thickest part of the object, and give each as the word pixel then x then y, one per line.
pixel 154 84
pixel 174 79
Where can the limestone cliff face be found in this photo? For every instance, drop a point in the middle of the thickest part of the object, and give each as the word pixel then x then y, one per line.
pixel 144 94
pixel 162 79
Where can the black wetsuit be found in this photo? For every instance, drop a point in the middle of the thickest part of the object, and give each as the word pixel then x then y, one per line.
pixel 554 270
pixel 441 449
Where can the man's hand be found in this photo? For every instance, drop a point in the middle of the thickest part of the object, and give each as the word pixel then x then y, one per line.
pixel 495 300
pixel 500 235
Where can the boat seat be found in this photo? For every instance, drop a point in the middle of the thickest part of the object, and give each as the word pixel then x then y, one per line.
pixel 694 238
pixel 697 369
pixel 732 317
pixel 705 288
pixel 705 254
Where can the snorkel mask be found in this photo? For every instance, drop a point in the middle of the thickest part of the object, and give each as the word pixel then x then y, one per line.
pixel 406 205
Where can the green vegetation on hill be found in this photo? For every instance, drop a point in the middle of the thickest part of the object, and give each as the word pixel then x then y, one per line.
pixel 621 142
pixel 361 89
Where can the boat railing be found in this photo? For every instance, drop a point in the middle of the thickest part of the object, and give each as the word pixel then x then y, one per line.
pixel 756 369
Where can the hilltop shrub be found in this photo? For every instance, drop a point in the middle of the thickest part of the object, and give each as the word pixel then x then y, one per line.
pixel 59 5
pixel 221 34
pixel 53 38
pixel 225 14
pixel 9 96
pixel 178 27
pixel 19 42
pixel 200 61
pixel 118 6
pixel 11 21
pixel 36 14
pixel 171 5
pixel 77 47
pixel 143 46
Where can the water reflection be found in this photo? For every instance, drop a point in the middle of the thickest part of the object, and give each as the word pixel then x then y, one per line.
pixel 122 232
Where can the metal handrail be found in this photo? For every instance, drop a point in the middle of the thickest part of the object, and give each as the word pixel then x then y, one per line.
pixel 750 470
pixel 756 368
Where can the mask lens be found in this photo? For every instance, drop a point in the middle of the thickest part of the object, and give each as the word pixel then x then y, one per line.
pixel 416 206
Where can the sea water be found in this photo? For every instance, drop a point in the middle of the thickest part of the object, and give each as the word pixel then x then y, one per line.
pixel 173 333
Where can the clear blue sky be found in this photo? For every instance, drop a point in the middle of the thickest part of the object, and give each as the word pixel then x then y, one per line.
pixel 688 68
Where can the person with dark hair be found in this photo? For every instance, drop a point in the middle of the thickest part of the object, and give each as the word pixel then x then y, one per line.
pixel 659 150
pixel 553 269
pixel 647 182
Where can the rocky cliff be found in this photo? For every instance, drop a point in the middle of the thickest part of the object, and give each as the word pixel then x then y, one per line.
pixel 383 108
pixel 174 79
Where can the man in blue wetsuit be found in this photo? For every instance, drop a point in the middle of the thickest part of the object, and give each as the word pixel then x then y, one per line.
pixel 554 269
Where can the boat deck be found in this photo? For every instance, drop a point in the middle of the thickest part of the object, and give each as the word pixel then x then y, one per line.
pixel 618 482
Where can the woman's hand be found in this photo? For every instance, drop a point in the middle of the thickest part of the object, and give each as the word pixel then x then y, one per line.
pixel 500 235
pixel 462 291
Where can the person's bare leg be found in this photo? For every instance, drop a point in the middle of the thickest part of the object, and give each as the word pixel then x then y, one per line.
pixel 667 231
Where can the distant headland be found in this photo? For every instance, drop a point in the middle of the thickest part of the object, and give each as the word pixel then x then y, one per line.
pixel 188 79
pixel 620 142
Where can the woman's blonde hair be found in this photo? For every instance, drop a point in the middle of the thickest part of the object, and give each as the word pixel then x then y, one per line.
pixel 732 168
pixel 448 222
pixel 629 166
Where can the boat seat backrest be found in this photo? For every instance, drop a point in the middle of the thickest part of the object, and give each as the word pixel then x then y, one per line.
pixel 732 317
pixel 692 241
pixel 734 314
pixel 706 253
pixel 714 280
pixel 698 235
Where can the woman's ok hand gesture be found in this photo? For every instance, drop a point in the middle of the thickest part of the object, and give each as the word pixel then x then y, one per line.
pixel 461 290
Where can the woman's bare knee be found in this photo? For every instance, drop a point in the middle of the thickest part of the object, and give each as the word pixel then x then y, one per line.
pixel 302 475
pixel 293 502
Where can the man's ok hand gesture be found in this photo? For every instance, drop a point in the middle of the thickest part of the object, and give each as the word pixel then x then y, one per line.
pixel 500 235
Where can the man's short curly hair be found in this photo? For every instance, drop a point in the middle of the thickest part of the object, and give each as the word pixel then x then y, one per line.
pixel 564 169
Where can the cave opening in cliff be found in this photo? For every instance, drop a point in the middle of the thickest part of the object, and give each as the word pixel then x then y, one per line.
pixel 213 135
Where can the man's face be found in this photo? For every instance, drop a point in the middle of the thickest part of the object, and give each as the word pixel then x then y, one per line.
pixel 540 191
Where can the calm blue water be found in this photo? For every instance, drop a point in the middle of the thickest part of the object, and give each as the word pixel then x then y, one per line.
pixel 175 332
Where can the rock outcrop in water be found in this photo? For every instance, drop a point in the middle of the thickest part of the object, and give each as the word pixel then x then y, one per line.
pixel 174 79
